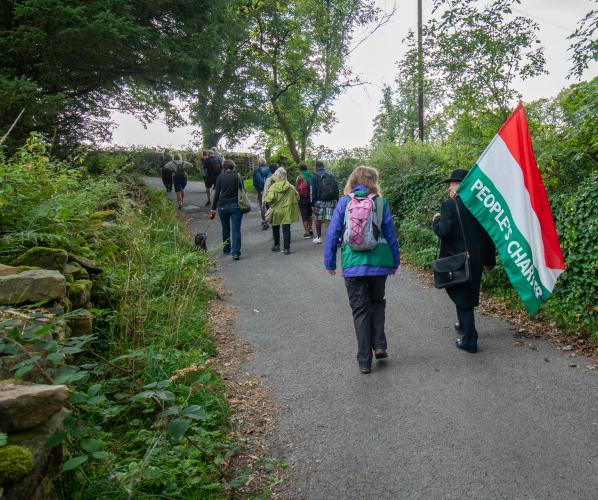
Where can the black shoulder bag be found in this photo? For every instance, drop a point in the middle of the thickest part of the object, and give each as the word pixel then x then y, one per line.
pixel 455 269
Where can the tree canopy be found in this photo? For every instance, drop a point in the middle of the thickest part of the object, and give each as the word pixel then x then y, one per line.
pixel 69 63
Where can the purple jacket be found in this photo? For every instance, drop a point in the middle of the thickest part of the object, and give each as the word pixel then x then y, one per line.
pixel 334 236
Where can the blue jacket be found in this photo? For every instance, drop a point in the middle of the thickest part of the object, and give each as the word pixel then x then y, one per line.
pixel 260 174
pixel 334 236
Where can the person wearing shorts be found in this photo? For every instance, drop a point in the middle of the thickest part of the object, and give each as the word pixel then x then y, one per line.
pixel 323 209
pixel 179 169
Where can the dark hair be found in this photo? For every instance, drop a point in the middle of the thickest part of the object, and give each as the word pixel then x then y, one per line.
pixel 319 164
pixel 228 165
pixel 273 167
pixel 303 167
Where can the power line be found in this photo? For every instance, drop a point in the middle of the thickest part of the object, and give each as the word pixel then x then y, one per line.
pixel 543 20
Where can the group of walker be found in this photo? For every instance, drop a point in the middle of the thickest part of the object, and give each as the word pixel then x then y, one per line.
pixel 361 225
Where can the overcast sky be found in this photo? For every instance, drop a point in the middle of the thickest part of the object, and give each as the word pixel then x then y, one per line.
pixel 375 62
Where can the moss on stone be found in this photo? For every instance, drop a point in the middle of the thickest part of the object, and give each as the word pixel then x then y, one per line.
pixel 15 462
pixel 79 292
pixel 44 257
pixel 102 214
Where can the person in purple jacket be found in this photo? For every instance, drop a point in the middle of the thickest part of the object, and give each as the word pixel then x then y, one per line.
pixel 365 271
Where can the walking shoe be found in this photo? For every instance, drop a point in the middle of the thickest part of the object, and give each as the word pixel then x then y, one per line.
pixel 265 226
pixel 286 251
pixel 306 236
pixel 460 345
pixel 236 257
pixel 317 240
pixel 380 354
pixel 365 371
pixel 275 248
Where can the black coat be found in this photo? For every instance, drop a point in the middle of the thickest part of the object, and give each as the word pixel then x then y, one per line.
pixel 480 246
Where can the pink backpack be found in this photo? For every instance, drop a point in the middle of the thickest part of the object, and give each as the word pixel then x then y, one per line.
pixel 363 221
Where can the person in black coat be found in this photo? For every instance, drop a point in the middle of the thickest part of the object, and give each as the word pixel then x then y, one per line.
pixel 481 250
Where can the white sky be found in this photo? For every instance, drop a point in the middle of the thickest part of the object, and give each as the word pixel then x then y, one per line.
pixel 375 62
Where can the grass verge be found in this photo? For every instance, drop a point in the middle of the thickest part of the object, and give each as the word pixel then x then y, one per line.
pixel 162 420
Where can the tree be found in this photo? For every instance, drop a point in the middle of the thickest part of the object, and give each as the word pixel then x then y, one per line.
pixel 398 118
pixel 228 103
pixel 476 54
pixel 584 44
pixel 301 47
pixel 69 63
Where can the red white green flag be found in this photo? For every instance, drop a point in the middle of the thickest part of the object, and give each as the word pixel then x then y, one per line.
pixel 505 192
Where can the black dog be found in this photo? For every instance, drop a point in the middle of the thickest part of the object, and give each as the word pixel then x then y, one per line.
pixel 201 242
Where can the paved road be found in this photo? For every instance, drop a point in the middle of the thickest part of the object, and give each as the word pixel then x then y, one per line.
pixel 430 423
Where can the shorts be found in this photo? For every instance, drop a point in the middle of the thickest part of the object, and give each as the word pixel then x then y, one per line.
pixel 179 181
pixel 325 209
pixel 305 209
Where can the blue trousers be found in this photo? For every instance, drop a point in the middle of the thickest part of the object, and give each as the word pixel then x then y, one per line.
pixel 230 219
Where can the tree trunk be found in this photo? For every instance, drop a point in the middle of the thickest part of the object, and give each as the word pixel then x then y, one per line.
pixel 286 128
pixel 209 136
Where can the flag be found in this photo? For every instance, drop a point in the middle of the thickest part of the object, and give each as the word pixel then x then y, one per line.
pixel 505 193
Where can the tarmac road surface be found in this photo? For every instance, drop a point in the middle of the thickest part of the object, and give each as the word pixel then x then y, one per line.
pixel 431 422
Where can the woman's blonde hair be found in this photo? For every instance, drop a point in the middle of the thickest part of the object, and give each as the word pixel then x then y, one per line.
pixel 365 176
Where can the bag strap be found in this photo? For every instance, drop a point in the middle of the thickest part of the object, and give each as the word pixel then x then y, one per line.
pixel 462 232
pixel 241 185
pixel 461 224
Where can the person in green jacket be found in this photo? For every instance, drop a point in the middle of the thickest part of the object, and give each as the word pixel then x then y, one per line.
pixel 283 199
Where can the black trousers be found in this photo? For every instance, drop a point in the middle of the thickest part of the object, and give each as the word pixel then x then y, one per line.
pixel 466 318
pixel 366 298
pixel 286 235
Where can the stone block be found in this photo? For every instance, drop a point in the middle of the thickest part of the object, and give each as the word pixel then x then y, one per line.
pixel 47 463
pixel 32 286
pixel 76 271
pixel 46 258
pixel 79 293
pixel 80 323
pixel 24 405
pixel 88 264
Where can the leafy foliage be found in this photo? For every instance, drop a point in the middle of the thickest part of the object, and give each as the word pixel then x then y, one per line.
pixel 584 44
pixel 148 412
pixel 68 63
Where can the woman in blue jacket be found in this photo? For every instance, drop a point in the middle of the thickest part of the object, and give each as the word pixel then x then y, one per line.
pixel 365 271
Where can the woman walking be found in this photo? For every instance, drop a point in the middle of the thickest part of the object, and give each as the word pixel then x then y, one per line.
pixel 459 231
pixel 283 199
pixel 226 200
pixel 362 225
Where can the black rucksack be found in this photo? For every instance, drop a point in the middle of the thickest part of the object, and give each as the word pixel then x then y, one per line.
pixel 214 164
pixel 328 187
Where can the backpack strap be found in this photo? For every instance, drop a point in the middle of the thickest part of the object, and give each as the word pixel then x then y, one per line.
pixel 379 206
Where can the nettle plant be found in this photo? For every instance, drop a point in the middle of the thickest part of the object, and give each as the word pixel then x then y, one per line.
pixel 96 394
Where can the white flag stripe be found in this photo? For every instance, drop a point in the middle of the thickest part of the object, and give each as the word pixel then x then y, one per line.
pixel 506 174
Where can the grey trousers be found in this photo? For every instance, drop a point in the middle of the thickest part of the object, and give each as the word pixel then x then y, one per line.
pixel 366 298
